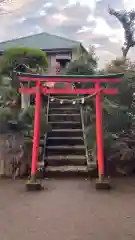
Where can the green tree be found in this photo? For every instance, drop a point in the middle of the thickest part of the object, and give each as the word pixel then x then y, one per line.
pixel 85 63
pixel 12 120
pixel 120 121
pixel 33 58
pixel 118 117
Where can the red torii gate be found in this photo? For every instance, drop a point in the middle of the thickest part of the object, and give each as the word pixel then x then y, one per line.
pixel 98 90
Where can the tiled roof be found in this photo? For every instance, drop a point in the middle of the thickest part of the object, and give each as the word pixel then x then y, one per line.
pixel 43 40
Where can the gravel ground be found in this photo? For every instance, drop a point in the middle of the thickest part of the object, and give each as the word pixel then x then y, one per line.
pixel 67 210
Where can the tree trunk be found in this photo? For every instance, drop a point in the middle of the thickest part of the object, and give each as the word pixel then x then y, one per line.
pixel 125 51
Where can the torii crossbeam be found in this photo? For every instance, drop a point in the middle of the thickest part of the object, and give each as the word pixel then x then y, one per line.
pixel 98 80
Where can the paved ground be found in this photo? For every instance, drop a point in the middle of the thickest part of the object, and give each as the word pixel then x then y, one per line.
pixel 67 210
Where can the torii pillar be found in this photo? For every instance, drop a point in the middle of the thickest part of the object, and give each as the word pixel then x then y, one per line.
pixel 33 184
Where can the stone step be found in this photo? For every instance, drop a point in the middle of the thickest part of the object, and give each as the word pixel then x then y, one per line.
pixel 66 171
pixel 67 168
pixel 66 150
pixel 67 130
pixel 66 138
pixel 66 147
pixel 91 166
pixel 65 141
pixel 61 160
pixel 65 133
pixel 64 110
pixel 65 125
pixel 64 114
pixel 68 157
pixel 64 117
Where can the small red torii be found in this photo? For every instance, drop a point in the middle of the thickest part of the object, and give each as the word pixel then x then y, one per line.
pixel 98 90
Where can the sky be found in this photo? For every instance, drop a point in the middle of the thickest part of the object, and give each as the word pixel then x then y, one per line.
pixel 87 21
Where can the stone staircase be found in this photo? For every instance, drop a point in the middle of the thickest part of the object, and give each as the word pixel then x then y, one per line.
pixel 65 151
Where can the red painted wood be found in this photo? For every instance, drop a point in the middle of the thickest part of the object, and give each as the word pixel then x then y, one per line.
pixel 99 132
pixel 68 91
pixel 71 80
pixel 28 90
pixel 36 131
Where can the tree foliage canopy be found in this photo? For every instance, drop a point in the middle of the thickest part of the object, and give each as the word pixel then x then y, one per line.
pixel 33 58
pixel 84 64
pixel 118 114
